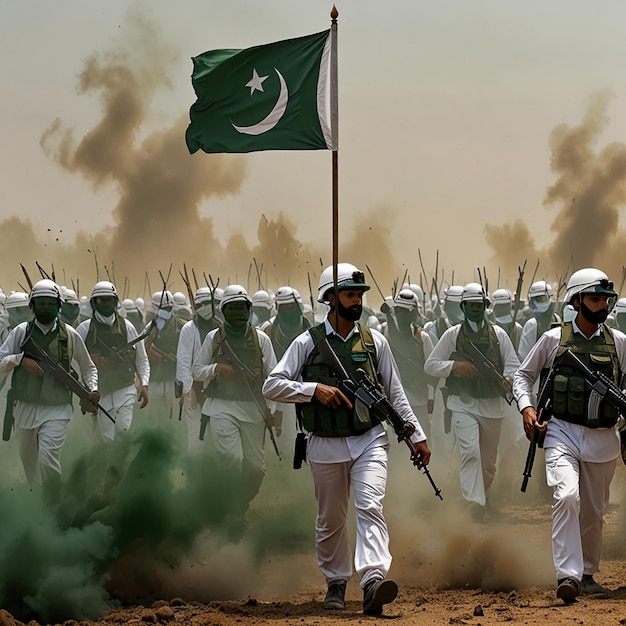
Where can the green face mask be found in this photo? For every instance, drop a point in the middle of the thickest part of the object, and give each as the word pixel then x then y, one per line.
pixel 236 314
pixel 474 311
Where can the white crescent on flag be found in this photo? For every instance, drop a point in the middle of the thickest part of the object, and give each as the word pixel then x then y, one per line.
pixel 274 115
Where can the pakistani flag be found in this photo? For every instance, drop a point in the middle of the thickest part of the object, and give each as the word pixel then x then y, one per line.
pixel 270 97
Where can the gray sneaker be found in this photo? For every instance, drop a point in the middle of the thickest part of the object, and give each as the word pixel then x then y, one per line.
pixel 335 596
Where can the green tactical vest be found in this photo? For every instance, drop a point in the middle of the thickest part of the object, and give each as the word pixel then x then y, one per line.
pixel 118 374
pixel 358 352
pixel 248 351
pixel 44 390
pixel 570 394
pixel 167 341
pixel 408 351
pixel 486 341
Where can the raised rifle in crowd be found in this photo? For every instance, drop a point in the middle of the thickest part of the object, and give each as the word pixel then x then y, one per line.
pixel 56 370
pixel 364 390
pixel 602 389
pixel 485 368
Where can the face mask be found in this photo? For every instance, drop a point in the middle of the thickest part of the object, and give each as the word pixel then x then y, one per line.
pixel 18 315
pixel 205 311
pixel 236 316
pixel 504 319
pixel 453 312
pixel 70 311
pixel 107 320
pixel 474 313
pixel 105 310
pixel 595 317
pixel 163 314
pixel 540 307
pixel 44 313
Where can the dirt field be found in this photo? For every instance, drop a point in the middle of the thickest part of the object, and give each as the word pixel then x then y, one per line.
pixel 450 570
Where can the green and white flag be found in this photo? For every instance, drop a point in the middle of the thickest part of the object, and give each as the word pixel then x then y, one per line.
pixel 270 97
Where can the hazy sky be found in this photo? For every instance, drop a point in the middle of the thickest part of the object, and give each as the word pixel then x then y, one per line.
pixel 446 110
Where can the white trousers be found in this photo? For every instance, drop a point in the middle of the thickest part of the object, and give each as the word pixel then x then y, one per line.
pixel 478 438
pixel 120 405
pixel 241 446
pixel 332 481
pixel 581 495
pixel 40 450
pixel 191 417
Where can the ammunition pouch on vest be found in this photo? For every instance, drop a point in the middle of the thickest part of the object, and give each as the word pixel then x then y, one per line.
pixel 44 390
pixel 486 341
pixel 359 352
pixel 119 373
pixel 249 353
pixel 570 394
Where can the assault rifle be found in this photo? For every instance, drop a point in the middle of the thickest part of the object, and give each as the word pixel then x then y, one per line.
pixel 365 392
pixel 249 378
pixel 485 368
pixel 602 389
pixel 59 373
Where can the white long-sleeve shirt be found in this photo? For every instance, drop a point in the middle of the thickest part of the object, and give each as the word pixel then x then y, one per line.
pixel 189 345
pixel 204 367
pixel 440 364
pixel 597 445
pixel 285 384
pixel 33 415
pixel 142 364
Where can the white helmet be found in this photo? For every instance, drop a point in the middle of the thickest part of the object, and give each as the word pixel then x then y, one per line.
pixel 161 299
pixel 474 292
pixel 69 295
pixel 406 299
pixel 501 296
pixel 540 288
pixel 104 288
pixel 180 299
pixel 589 280
pixel 45 288
pixel 287 295
pixel 453 293
pixel 129 305
pixel 85 307
pixel 141 305
pixel 348 277
pixel 418 291
pixel 261 299
pixel 234 293
pixel 16 299
pixel 203 294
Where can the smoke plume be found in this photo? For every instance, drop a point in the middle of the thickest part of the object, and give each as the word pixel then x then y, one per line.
pixel 589 190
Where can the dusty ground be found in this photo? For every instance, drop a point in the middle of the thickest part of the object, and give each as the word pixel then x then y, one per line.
pixel 450 570
pixel 478 578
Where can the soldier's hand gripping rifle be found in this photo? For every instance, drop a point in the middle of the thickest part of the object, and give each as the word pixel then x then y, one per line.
pixel 486 369
pixel 544 413
pixel 364 390
pixel 59 373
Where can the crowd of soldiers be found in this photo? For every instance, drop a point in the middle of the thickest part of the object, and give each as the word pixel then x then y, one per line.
pixel 234 367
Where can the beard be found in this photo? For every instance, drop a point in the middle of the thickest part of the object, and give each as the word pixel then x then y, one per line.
pixel 352 313
pixel 595 317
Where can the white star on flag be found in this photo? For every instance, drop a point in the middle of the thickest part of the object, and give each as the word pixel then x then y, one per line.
pixel 256 82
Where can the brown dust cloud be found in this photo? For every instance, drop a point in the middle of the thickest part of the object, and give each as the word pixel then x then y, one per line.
pixel 165 534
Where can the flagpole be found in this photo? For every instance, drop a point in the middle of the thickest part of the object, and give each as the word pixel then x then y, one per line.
pixel 334 123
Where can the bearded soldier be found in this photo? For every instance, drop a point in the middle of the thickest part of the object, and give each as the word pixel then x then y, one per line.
pixel 580 448
pixel 476 402
pixel 106 336
pixel 235 359
pixel 42 405
pixel 346 450
pixel 192 334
